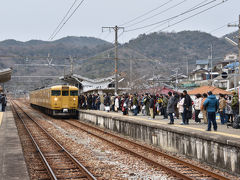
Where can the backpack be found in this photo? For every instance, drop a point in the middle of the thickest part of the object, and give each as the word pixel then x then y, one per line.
pixel 236 122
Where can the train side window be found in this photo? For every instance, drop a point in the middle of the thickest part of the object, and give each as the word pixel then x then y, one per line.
pixel 73 93
pixel 56 93
pixel 65 93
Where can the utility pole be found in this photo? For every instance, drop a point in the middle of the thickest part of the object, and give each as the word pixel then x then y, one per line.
pixel 131 71
pixel 71 61
pixel 211 58
pixel 176 76
pixel 116 29
pixel 177 79
pixel 237 25
pixel 235 76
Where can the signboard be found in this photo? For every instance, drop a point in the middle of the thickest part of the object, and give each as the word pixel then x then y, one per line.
pixel 224 75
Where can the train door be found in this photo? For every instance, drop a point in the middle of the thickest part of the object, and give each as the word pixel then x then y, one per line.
pixel 65 98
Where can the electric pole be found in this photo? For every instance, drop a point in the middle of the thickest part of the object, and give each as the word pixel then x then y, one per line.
pixel 71 61
pixel 131 71
pixel 237 25
pixel 116 29
pixel 211 58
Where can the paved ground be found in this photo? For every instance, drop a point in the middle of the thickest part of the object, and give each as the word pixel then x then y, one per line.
pixel 222 129
pixel 12 163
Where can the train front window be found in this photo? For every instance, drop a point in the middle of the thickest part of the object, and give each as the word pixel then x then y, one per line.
pixel 56 93
pixel 73 93
pixel 65 93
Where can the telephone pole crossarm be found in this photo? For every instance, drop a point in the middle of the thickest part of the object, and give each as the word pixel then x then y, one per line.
pixel 116 29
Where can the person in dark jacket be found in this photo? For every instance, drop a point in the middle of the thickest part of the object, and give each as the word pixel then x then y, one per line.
pixel 170 107
pixel 151 107
pixel 146 103
pixel 176 100
pixel 94 102
pixel 187 107
pixel 212 105
pixel 164 107
pixel 98 102
pixel 4 102
pixel 135 105
pixel 125 105
pixel 107 102
pixel 235 104
pixel 89 101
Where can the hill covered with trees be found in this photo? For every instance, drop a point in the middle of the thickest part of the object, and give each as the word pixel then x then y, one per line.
pixel 167 47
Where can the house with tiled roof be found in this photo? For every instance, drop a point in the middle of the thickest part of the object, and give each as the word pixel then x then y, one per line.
pixel 204 89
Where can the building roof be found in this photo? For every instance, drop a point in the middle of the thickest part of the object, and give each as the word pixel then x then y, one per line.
pixel 5 75
pixel 202 62
pixel 91 84
pixel 232 65
pixel 201 70
pixel 205 89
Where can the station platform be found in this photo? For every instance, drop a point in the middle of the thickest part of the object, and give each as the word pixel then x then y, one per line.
pixel 220 149
pixel 223 130
pixel 12 162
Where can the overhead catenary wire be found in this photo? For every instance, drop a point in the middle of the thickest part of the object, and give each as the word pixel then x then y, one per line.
pixel 63 19
pixel 169 20
pixel 221 27
pixel 67 19
pixel 138 17
pixel 171 7
pixel 173 17
pixel 223 1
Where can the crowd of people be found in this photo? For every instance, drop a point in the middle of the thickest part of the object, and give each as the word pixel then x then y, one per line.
pixel 170 106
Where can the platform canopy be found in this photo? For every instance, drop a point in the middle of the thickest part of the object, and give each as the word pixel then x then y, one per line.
pixel 5 75
pixel 88 85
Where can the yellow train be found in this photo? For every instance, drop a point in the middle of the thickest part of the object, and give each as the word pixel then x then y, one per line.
pixel 60 100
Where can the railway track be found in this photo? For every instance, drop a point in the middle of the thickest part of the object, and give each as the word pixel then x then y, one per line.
pixel 176 167
pixel 59 163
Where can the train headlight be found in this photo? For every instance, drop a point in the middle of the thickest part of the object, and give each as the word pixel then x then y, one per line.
pixel 74 99
pixel 55 99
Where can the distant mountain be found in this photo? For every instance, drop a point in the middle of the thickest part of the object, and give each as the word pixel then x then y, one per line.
pixel 172 49
pixel 75 46
pixel 233 36
pixel 175 47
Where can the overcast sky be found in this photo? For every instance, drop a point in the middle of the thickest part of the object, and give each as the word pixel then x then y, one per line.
pixel 36 19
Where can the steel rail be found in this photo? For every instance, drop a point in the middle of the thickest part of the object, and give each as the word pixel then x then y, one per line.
pixel 167 169
pixel 46 164
pixel 177 160
pixel 73 159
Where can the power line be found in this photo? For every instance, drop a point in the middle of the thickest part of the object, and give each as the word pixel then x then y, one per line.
pixel 146 13
pixel 67 19
pixel 188 11
pixel 63 19
pixel 223 1
pixel 221 27
pixel 168 22
pixel 157 14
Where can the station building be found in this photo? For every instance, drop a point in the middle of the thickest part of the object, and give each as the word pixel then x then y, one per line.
pixel 95 86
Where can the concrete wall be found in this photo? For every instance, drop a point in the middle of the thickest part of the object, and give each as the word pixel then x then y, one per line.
pixel 217 151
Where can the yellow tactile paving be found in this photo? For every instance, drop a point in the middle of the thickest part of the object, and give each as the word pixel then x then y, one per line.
pixel 186 127
pixel 1 117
